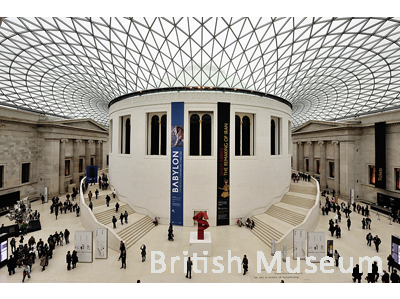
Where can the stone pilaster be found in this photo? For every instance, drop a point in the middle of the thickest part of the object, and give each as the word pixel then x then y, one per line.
pixel 75 163
pixel 101 163
pixel 337 167
pixel 311 157
pixel 301 156
pixel 97 154
pixel 87 152
pixel 62 166
pixel 322 151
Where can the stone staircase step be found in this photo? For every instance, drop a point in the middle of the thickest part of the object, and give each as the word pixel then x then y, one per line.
pixel 264 231
pixel 300 188
pixel 105 217
pixel 134 232
pixel 285 215
pixel 101 201
pixel 298 201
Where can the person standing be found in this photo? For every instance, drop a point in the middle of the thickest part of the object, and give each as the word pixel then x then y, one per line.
pixel 116 207
pixel 336 255
pixel 26 272
pixel 42 198
pixel 348 223
pixel 108 198
pixel 114 193
pixel 69 260
pixel 245 264
pixel 394 277
pixel 43 260
pixel 66 235
pixel 74 259
pixel 56 212
pixel 121 249
pixel 363 223
pixel 11 265
pixel 369 239
pixel 390 263
pixel 121 217
pixel 385 277
pixel 126 217
pixel 96 193
pixel 189 264
pixel 77 211
pixel 12 244
pixel 91 206
pixel 377 242
pixel 114 221
pixel 368 222
pixel 143 253
pixel 123 259
pixel 170 233
pixel 356 274
pixel 90 195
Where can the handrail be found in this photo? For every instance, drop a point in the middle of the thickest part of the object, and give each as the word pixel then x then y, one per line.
pixel 313 213
pixel 90 222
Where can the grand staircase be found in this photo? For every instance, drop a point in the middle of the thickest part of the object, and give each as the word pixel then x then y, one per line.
pixel 285 215
pixel 138 225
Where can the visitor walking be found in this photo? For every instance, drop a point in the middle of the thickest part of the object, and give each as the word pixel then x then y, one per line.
pixel 245 264
pixel 69 260
pixel 143 252
pixel 189 264
pixel 123 259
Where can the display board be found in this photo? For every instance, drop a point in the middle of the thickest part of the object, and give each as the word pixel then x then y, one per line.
pixel 316 245
pixel 3 249
pixel 329 246
pixel 396 250
pixel 177 143
pixel 83 242
pixel 101 237
pixel 299 243
pixel 223 183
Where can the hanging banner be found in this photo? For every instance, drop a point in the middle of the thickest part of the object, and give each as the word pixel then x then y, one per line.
pixel 223 164
pixel 316 245
pixel 177 141
pixel 101 235
pixel 84 246
pixel 299 243
pixel 380 155
pixel 91 174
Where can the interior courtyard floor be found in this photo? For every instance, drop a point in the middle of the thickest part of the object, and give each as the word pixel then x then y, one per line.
pixel 239 241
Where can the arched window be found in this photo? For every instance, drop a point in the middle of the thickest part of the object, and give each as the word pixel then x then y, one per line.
pixel 276 135
pixel 200 134
pixel 206 135
pixel 244 135
pixel 157 134
pixel 194 135
pixel 128 136
pixel 272 137
pixel 125 135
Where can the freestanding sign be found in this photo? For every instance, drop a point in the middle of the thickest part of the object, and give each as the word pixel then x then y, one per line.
pixel 177 142
pixel 299 243
pixel 223 183
pixel 101 235
pixel 84 246
pixel 316 245
pixel 329 248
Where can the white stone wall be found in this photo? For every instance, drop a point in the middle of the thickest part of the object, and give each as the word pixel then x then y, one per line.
pixel 144 181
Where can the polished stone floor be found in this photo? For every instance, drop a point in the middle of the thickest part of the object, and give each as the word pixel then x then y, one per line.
pixel 239 241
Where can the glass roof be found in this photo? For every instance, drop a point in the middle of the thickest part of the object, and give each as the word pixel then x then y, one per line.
pixel 328 68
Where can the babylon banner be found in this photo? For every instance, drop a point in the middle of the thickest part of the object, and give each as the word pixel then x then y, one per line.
pixel 223 164
pixel 177 118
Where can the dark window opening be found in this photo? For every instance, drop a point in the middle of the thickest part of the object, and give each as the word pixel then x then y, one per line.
pixel 67 167
pixel 25 173
pixel 194 135
pixel 155 133
pixel 206 135
pixel 128 136
pixel 237 135
pixel 246 136
pixel 273 137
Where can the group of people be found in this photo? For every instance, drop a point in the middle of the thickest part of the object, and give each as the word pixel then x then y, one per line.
pixel 72 259
pixel 25 255
pixel 58 207
pixel 122 217
pixel 303 176
pixel 377 241
pixel 103 181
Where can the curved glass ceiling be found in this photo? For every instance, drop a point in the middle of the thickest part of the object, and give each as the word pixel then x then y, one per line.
pixel 328 68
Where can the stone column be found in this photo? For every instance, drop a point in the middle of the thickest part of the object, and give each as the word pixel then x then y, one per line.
pixel 101 165
pixel 61 187
pixel 301 156
pixel 97 154
pixel 337 167
pixel 75 163
pixel 322 160
pixel 87 152
pixel 311 157
pixel 295 156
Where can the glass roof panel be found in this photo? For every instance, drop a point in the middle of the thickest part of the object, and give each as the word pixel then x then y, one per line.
pixel 329 68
